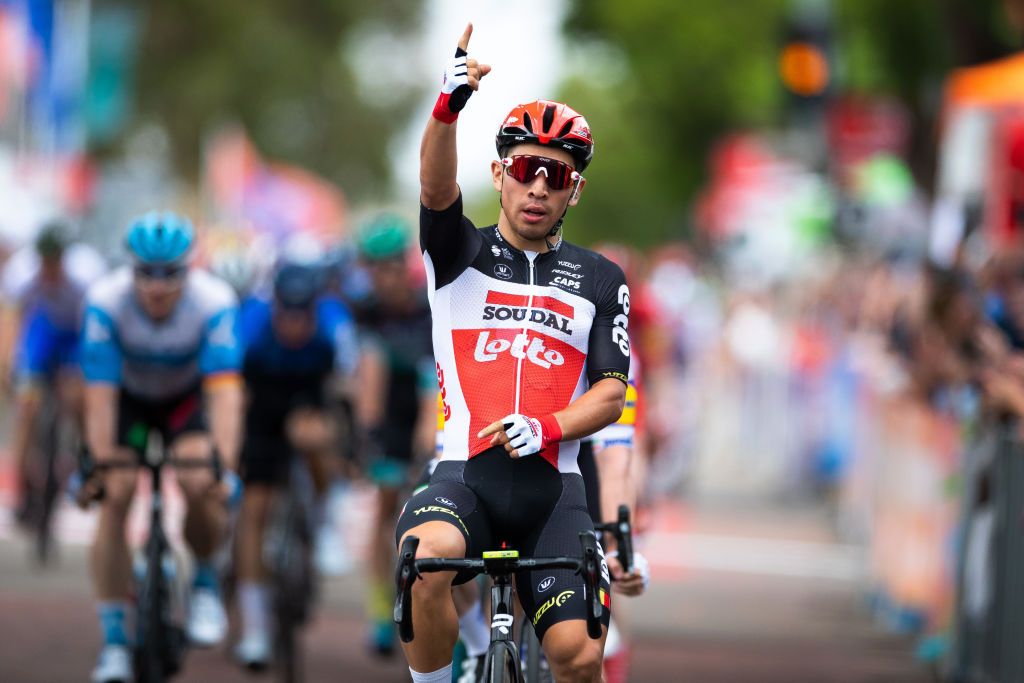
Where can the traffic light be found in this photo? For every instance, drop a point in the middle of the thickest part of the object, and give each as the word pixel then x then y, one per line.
pixel 804 69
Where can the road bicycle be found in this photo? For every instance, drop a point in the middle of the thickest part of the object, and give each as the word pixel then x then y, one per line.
pixel 56 440
pixel 160 640
pixel 502 664
pixel 288 553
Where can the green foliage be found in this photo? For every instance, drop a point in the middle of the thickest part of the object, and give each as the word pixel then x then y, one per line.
pixel 683 73
pixel 692 71
pixel 280 68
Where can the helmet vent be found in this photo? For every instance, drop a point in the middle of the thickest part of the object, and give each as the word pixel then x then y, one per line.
pixel 549 117
pixel 527 121
pixel 566 129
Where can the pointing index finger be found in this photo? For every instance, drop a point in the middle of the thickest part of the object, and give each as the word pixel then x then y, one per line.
pixel 492 428
pixel 464 40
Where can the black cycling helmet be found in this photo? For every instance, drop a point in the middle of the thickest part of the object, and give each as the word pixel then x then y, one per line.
pixel 298 286
pixel 53 239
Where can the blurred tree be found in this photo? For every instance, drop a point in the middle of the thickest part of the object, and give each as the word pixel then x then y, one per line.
pixel 281 68
pixel 660 81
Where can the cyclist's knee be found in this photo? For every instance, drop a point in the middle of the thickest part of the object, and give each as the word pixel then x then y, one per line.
pixel 255 506
pixel 118 489
pixel 437 539
pixel 573 655
pixel 309 430
pixel 195 482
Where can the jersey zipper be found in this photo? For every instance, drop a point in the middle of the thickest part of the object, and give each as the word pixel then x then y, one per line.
pixel 519 363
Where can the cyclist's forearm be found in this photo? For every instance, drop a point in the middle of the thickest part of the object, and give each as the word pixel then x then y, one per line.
pixel 438 165
pixel 226 403
pixel 614 473
pixel 600 406
pixel 371 376
pixel 100 419
pixel 426 426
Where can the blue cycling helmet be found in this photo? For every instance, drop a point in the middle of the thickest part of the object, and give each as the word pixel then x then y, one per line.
pixel 297 285
pixel 160 238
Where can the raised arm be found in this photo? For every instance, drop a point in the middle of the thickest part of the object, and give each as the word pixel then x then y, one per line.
pixel 438 158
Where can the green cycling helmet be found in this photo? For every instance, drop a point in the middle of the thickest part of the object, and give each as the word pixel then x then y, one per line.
pixel 384 237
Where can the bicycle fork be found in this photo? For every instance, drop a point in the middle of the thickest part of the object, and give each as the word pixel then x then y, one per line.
pixel 502 620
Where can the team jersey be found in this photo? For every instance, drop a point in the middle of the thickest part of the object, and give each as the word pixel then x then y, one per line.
pixel 517 332
pixel 59 303
pixel 159 359
pixel 332 348
pixel 403 338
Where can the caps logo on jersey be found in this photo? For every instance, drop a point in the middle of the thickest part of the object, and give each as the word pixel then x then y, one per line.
pixel 444 501
pixel 545 584
pixel 503 271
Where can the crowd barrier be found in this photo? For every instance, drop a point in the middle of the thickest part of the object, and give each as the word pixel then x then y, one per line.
pixel 988 633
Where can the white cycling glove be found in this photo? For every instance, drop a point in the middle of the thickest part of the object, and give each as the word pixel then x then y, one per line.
pixel 530 435
pixel 640 566
pixel 455 89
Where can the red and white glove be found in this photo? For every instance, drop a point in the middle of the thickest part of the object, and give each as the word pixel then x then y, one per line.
pixel 455 88
pixel 529 435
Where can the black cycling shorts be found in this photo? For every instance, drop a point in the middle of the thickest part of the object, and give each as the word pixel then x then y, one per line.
pixel 171 417
pixel 266 450
pixel 525 503
pixel 591 480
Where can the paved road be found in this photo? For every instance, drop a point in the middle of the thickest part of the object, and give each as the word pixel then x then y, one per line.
pixel 758 595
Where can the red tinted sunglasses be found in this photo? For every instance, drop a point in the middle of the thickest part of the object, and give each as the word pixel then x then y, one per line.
pixel 526 167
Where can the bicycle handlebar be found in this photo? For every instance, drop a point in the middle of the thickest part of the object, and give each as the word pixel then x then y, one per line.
pixel 89 468
pixel 622 530
pixel 409 569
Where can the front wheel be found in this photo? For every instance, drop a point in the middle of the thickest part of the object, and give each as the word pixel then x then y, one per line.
pixel 502 665
pixel 535 667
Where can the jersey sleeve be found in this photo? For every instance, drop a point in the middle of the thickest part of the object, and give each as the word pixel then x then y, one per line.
pixel 608 354
pixel 100 348
pixel 449 242
pixel 220 351
pixel 340 329
pixel 253 317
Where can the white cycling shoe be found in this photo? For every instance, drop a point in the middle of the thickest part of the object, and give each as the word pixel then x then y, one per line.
pixel 253 650
pixel 331 555
pixel 207 621
pixel 114 665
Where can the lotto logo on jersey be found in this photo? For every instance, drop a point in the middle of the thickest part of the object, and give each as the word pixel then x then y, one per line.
pixel 532 349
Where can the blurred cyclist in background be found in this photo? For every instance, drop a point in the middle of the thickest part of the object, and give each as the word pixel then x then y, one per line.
pixel 294 345
pixel 159 352
pixel 396 400
pixel 43 287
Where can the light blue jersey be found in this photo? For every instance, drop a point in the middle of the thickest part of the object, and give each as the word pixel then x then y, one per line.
pixel 152 359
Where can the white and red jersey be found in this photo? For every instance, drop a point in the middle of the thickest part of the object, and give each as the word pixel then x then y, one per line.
pixel 517 332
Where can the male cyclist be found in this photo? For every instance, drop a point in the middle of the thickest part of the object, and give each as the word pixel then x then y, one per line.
pixel 530 335
pixel 159 352
pixel 396 401
pixel 44 287
pixel 293 345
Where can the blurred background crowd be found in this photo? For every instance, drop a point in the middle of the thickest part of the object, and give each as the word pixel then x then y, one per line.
pixel 819 205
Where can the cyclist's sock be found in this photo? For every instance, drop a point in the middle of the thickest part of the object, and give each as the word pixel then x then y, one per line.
pixel 253 601
pixel 442 675
pixel 113 614
pixel 206 576
pixel 332 503
pixel 473 631
pixel 380 601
